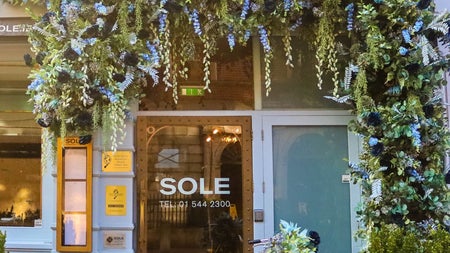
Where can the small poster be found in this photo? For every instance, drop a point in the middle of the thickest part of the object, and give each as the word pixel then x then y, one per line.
pixel 116 200
pixel 119 161
pixel 114 240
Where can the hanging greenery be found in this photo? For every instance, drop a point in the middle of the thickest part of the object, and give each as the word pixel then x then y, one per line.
pixel 94 57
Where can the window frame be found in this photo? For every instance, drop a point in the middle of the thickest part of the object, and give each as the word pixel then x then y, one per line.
pixel 62 146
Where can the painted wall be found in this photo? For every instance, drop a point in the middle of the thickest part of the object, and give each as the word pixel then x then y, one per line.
pixel 442 5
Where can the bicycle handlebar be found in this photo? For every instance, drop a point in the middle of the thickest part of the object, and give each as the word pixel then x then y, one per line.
pixel 256 241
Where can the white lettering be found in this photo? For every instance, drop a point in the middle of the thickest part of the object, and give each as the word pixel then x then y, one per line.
pixel 202 187
pixel 165 183
pixel 170 186
pixel 218 185
pixel 181 187
pixel 15 28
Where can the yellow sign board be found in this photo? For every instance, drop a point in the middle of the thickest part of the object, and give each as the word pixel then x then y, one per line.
pixel 119 161
pixel 116 200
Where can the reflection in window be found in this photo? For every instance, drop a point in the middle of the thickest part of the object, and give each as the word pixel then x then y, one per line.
pixel 20 170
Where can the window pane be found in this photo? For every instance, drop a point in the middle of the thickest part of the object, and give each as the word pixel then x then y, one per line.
pixel 75 196
pixel 20 170
pixel 231 75
pixel 75 163
pixel 195 188
pixel 74 233
pixel 296 87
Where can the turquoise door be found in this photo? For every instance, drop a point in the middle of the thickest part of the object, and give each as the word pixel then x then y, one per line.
pixel 309 188
pixel 305 177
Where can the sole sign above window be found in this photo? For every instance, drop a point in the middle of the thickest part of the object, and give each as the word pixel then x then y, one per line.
pixel 15 26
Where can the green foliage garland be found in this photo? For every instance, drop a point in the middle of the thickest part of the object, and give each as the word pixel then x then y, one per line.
pixel 93 58
pixel 396 89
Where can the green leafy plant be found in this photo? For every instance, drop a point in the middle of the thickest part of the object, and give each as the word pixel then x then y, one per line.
pixel 2 242
pixel 292 238
pixel 391 238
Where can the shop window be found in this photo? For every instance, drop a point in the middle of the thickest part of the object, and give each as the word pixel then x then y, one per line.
pixel 20 170
pixel 296 88
pixel 231 75
pixel 195 184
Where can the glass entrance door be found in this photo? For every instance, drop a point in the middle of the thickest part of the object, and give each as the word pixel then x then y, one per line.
pixel 194 189
pixel 310 186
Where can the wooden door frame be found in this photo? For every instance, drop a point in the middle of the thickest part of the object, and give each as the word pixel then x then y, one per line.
pixel 142 135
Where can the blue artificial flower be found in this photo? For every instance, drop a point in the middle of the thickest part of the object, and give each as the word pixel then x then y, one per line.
pixel 403 51
pixel 154 53
pixel 109 94
pixel 394 90
pixel 413 172
pixel 287 5
pixel 296 25
pixel 36 83
pixel 350 8
pixel 162 22
pixel 245 8
pixel 90 42
pixel 230 37
pixel 68 8
pixel 247 35
pixel 358 170
pixel 196 22
pixel 263 37
pixel 100 8
pixel 373 141
pixel 146 57
pixel 418 25
pixel 415 134
pixel 131 8
pixel 406 36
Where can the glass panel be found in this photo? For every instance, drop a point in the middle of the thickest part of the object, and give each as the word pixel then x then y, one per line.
pixel 308 189
pixel 297 87
pixel 14 75
pixel 75 163
pixel 75 196
pixel 74 230
pixel 195 188
pixel 20 170
pixel 231 84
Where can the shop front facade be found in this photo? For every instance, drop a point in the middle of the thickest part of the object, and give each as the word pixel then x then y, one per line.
pixel 205 174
